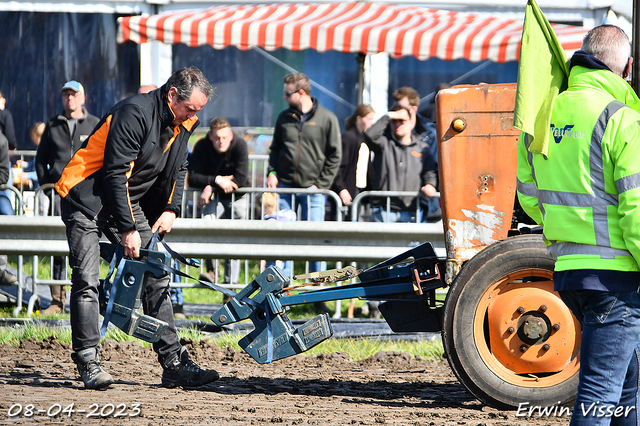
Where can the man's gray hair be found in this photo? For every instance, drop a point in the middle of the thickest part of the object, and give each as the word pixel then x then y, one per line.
pixel 609 44
pixel 187 79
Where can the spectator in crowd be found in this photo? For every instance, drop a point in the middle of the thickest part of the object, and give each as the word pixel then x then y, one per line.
pixel 6 123
pixel 305 152
pixel 429 112
pixel 24 172
pixel 6 277
pixel 63 136
pixel 352 141
pixel 29 171
pixel 127 181
pixel 36 132
pixel 219 165
pixel 402 162
pixel 271 211
pixel 408 97
pixel 29 167
pixel 8 135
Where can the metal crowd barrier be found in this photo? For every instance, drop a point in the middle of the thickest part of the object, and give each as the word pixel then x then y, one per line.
pixel 254 209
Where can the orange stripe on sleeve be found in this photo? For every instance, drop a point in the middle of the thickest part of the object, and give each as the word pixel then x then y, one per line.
pixel 86 161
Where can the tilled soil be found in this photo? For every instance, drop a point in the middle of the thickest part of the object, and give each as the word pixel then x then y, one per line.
pixel 39 378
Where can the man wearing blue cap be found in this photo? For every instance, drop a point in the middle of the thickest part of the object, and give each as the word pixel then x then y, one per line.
pixel 63 136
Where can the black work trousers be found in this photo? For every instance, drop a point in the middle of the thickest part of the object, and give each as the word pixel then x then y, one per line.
pixel 83 234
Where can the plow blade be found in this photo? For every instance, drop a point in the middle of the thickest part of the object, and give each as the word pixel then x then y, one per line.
pixel 274 336
pixel 127 298
pixel 286 339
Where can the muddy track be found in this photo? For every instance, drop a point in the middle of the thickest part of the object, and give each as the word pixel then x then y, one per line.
pixel 388 388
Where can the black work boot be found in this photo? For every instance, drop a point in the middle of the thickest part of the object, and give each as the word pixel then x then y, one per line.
pixel 181 371
pixel 90 369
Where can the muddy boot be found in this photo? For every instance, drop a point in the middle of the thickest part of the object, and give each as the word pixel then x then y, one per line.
pixel 181 371
pixel 90 369
pixel 58 299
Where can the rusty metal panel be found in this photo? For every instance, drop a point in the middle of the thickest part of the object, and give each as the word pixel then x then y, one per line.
pixel 477 151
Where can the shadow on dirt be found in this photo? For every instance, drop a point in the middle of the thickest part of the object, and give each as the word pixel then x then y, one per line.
pixel 450 395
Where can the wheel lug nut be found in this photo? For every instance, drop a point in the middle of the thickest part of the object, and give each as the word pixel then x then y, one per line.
pixel 543 308
pixel 546 347
pixel 521 310
pixel 556 327
pixel 524 348
pixel 510 330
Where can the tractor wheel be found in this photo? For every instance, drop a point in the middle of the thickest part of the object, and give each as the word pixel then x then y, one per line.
pixel 508 336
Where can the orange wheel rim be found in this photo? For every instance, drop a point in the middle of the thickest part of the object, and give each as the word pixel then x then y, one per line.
pixel 524 333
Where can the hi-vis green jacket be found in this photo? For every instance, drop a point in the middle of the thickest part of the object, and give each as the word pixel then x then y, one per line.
pixel 586 193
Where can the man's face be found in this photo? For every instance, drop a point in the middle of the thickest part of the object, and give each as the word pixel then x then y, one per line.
pixel 402 128
pixel 184 110
pixel 221 139
pixel 72 101
pixel 291 96
pixel 404 102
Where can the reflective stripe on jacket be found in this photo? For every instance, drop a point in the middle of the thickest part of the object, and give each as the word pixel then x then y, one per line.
pixel 586 193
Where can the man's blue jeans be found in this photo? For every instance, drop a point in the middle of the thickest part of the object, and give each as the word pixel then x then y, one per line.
pixel 312 209
pixel 609 357
pixel 6 208
pixel 380 214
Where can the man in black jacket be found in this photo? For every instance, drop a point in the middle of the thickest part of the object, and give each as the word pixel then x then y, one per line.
pixel 305 152
pixel 128 179
pixel 402 162
pixel 62 137
pixel 6 123
pixel 219 165
pixel 6 277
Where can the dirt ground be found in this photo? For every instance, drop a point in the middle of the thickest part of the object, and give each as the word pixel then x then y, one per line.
pixel 388 388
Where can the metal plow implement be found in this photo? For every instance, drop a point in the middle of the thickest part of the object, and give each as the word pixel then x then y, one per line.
pixel 407 282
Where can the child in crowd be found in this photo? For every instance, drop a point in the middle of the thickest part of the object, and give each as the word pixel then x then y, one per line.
pixel 270 211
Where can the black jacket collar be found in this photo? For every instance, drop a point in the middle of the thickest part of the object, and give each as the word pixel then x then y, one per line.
pixel 587 60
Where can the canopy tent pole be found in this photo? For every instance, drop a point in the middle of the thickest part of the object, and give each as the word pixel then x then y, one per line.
pixel 360 94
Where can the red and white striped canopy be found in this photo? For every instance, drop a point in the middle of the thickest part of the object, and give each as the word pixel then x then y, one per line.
pixel 345 27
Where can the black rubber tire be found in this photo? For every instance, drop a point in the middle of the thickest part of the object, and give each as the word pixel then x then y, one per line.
pixel 488 267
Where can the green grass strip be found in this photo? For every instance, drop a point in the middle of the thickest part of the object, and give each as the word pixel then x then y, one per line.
pixel 356 349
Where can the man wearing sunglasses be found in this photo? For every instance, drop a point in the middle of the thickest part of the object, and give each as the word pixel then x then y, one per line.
pixel 305 152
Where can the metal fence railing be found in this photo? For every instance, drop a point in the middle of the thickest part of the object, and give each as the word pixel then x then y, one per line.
pixel 361 211
pixel 237 239
pixel 226 242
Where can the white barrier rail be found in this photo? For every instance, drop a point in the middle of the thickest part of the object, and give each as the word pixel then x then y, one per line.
pixel 344 242
pixel 244 239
